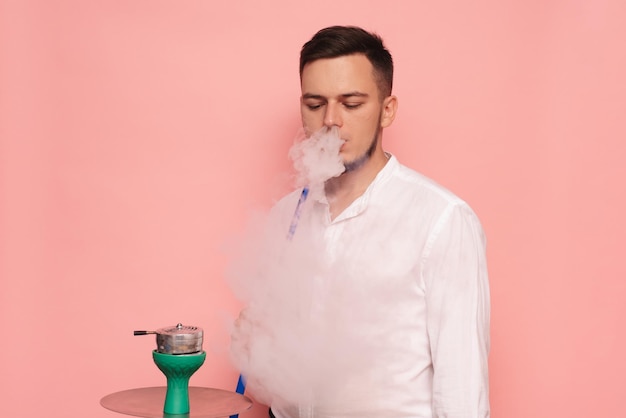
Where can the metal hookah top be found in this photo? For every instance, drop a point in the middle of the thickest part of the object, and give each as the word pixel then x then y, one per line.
pixel 177 339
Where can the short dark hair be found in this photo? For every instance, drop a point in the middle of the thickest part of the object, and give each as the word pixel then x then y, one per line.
pixel 337 41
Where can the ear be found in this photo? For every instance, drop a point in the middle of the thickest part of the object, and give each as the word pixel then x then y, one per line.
pixel 388 112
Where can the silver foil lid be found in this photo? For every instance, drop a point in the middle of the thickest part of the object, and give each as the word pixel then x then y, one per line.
pixel 181 329
pixel 178 339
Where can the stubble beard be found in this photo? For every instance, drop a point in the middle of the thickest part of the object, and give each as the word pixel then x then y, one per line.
pixel 365 157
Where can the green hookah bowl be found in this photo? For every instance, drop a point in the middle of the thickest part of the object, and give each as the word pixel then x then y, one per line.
pixel 178 355
pixel 178 368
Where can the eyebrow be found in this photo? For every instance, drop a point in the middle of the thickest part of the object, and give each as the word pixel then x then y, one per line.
pixel 345 95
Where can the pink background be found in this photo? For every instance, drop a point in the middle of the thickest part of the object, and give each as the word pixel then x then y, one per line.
pixel 136 137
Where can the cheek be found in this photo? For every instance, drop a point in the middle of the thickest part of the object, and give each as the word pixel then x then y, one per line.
pixel 311 122
pixel 364 124
pixel 371 118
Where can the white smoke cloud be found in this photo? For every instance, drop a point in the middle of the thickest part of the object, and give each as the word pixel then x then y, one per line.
pixel 316 158
pixel 282 341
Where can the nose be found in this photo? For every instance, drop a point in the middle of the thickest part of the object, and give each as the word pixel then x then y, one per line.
pixel 332 117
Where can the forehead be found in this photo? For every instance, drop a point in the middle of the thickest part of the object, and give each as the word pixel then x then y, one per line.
pixel 333 76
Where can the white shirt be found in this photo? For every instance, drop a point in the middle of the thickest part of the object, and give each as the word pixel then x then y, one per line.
pixel 392 306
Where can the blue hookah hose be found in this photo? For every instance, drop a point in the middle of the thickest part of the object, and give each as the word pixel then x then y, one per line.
pixel 241 383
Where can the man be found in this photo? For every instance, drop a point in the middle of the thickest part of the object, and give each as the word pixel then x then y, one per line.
pixel 403 291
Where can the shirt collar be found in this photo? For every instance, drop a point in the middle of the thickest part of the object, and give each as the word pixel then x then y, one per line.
pixel 360 203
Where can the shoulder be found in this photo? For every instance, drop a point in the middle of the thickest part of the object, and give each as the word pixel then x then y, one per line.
pixel 408 185
pixel 436 204
pixel 420 184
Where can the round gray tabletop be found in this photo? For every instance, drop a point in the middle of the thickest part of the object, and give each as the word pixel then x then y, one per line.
pixel 203 403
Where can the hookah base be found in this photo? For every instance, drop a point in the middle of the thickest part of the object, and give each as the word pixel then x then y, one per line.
pixel 178 368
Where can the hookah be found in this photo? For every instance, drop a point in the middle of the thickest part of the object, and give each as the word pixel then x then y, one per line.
pixel 178 355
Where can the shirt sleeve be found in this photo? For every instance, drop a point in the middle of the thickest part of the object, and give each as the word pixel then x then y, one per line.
pixel 454 271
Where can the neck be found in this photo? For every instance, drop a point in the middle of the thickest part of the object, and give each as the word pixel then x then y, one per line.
pixel 343 190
